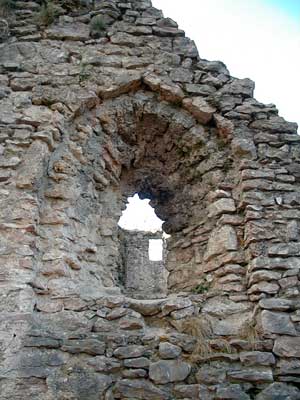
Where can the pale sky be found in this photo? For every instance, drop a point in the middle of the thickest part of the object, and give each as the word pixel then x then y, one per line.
pixel 257 39
pixel 139 215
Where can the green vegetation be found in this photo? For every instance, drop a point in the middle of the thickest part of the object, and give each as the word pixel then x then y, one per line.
pixel 7 7
pixel 71 5
pixel 84 73
pixel 97 26
pixel 202 287
pixel 48 13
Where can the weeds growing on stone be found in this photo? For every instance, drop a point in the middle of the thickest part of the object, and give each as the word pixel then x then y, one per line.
pixel 223 346
pixel 48 13
pixel 202 286
pixel 7 7
pixel 250 333
pixel 84 74
pixel 97 26
pixel 200 329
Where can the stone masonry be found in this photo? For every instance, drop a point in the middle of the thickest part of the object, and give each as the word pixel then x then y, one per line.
pixel 103 99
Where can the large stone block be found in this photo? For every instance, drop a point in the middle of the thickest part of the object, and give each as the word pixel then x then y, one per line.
pixel 276 322
pixel 139 389
pixel 287 346
pixel 199 108
pixel 169 371
pixel 221 240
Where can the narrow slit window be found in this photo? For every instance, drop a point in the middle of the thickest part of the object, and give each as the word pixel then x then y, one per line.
pixel 155 249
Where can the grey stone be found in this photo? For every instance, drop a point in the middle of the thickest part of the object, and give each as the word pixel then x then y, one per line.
pixel 284 249
pixel 132 351
pixel 287 346
pixel 169 371
pixel 279 391
pixel 199 90
pixel 199 108
pixel 263 275
pixel 275 124
pixel 70 31
pixel 275 263
pixel 257 374
pixel 222 239
pixel 89 346
pixel 243 147
pixel 211 375
pixel 167 31
pixel 78 383
pixel 221 206
pixel 230 325
pixel 36 115
pixel 289 366
pixel 231 392
pixel 105 364
pixel 169 350
pixel 193 392
pixel 184 313
pixel 134 373
pixel 185 47
pixel 245 87
pixel 257 358
pixel 140 362
pixel 124 83
pixel 175 304
pixel 40 341
pixel 129 324
pixel 276 322
pixel 116 313
pixel 146 307
pixel 139 389
pixel 222 306
pixel 265 287
pixel 181 75
pixel 33 167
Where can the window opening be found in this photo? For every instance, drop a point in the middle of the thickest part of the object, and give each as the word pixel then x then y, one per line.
pixel 139 215
pixel 155 250
pixel 142 250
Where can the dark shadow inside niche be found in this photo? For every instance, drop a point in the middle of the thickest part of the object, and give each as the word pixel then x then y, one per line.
pixel 143 250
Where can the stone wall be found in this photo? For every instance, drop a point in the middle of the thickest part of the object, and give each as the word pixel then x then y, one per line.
pixel 88 118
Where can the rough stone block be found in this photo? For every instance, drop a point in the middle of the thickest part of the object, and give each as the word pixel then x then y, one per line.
pixel 162 372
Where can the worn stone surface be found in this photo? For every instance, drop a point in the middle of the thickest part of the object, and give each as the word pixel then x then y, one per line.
pixel 231 392
pixel 279 323
pixel 279 391
pixel 169 371
pixel 91 114
pixel 139 389
pixel 287 346
pixel 169 350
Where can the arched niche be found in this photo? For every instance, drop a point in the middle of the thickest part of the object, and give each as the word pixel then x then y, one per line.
pixel 138 143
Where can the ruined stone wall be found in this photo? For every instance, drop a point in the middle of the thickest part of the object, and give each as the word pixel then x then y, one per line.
pixel 87 118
